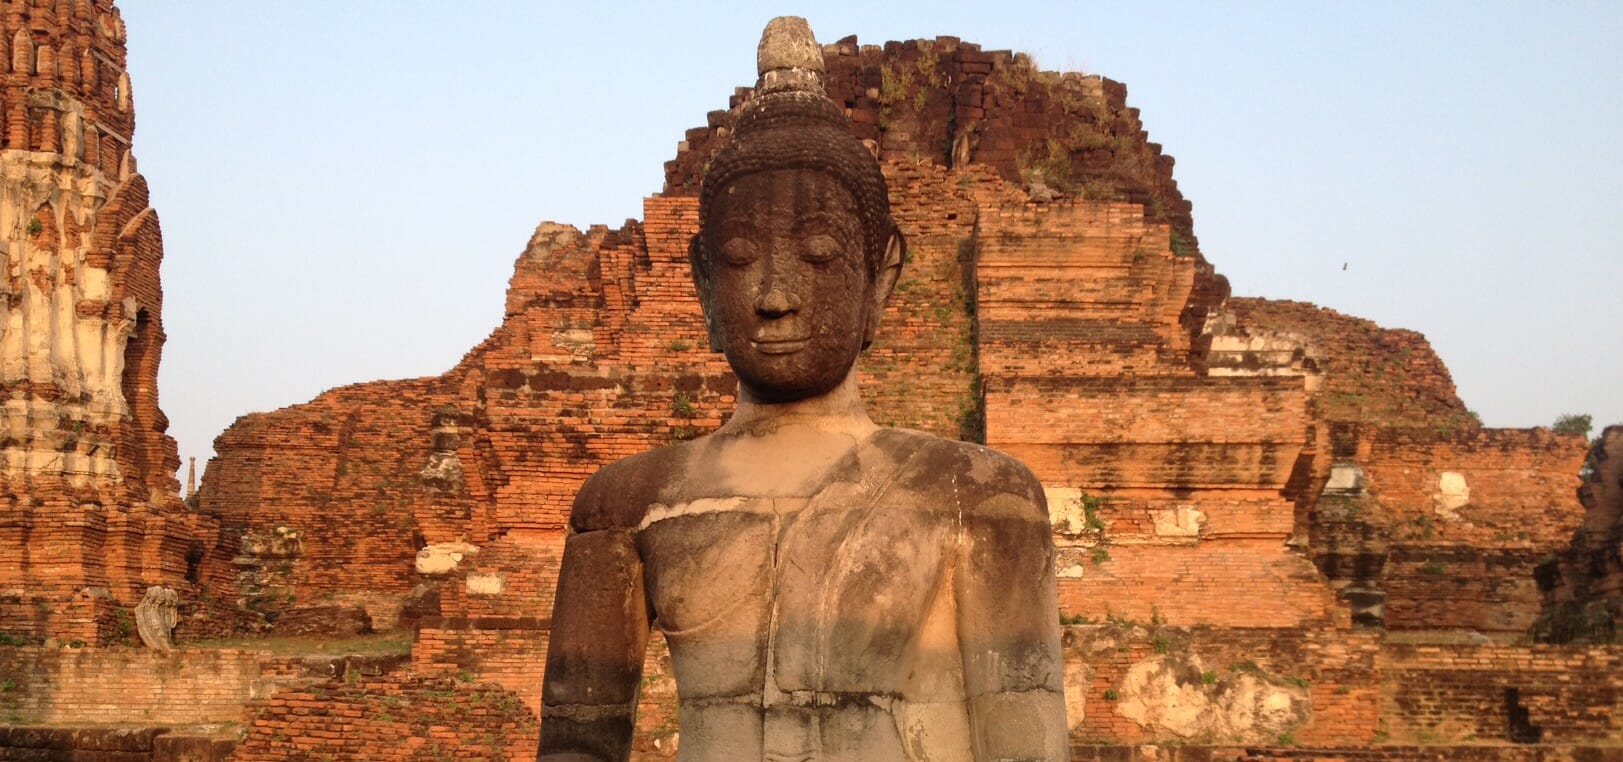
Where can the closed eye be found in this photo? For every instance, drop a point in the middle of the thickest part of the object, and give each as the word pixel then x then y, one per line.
pixel 739 251
pixel 820 248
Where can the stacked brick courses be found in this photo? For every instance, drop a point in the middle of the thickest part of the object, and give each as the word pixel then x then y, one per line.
pixel 388 719
pixel 1053 305
pixel 506 652
pixel 126 685
pixel 1583 586
pixel 1502 693
pixel 1338 670
pixel 89 505
pixel 343 472
pixel 1472 566
pixel 1081 309
pixel 1378 377
pixel 1455 556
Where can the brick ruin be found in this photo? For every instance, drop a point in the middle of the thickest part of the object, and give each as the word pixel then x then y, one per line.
pixel 1583 586
pixel 90 511
pixel 1278 515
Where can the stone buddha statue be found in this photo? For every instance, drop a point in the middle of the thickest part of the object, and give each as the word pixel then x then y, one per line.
pixel 829 589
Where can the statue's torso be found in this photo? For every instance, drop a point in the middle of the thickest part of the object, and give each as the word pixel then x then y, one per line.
pixel 815 625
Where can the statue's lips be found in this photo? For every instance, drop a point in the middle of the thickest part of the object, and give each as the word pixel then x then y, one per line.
pixel 780 346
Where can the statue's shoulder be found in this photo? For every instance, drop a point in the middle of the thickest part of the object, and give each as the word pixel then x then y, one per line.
pixel 966 472
pixel 619 493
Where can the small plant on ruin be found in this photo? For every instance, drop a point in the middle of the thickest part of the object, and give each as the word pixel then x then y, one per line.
pixel 8 685
pixel 1161 644
pixel 1119 621
pixel 1432 567
pixel 1209 677
pixel 1065 618
pixel 1247 666
pixel 1286 739
pixel 1181 245
pixel 678 345
pixel 683 433
pixel 682 406
pixel 1111 695
pixel 1050 162
pixel 1100 556
pixel 35 226
pixel 1090 511
pixel 1573 423
pixel 124 623
pixel 1298 681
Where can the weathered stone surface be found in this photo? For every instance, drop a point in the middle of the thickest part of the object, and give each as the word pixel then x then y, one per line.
pixel 1103 348
pixel 88 496
pixel 788 43
pixel 156 616
pixel 829 589
pixel 1173 695
pixel 443 557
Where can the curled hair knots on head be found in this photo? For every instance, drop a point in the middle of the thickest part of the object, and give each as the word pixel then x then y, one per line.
pixel 797 129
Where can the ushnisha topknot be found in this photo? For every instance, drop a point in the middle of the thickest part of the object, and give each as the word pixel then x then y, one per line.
pixel 791 124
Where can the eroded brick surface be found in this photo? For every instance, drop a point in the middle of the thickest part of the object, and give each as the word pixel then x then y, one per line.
pixel 1234 483
pixel 90 511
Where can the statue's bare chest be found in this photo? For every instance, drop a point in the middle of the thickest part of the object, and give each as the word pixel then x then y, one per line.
pixel 781 596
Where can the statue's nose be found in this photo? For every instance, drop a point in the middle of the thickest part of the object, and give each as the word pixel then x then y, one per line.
pixel 778 294
pixel 777 301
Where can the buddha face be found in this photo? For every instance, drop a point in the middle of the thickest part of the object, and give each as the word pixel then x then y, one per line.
pixel 789 290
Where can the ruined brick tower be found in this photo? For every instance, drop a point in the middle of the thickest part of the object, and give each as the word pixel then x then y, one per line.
pixel 90 512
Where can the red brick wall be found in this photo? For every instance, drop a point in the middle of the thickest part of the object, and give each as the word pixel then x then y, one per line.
pixel 1472 567
pixel 126 685
pixel 76 524
pixel 1379 377
pixel 511 652
pixel 1462 693
pixel 1066 331
pixel 1387 406
pixel 1337 670
pixel 1583 586
pixel 390 718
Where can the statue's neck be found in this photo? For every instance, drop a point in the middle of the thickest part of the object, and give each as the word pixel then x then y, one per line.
pixel 840 410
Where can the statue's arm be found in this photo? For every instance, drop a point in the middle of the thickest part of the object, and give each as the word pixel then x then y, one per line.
pixel 598 637
pixel 1008 626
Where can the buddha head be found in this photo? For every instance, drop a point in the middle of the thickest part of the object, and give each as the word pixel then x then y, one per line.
pixel 796 252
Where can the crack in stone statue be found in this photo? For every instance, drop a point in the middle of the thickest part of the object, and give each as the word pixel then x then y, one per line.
pixel 830 589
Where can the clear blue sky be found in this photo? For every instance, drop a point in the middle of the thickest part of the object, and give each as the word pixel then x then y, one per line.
pixel 344 186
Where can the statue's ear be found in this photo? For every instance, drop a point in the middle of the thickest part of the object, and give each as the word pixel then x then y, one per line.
pixel 701 285
pixel 890 269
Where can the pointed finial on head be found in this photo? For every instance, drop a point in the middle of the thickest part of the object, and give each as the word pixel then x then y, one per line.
pixel 789 57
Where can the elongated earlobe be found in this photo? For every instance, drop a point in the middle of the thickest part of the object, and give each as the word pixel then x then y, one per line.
pixel 890 270
pixel 701 286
